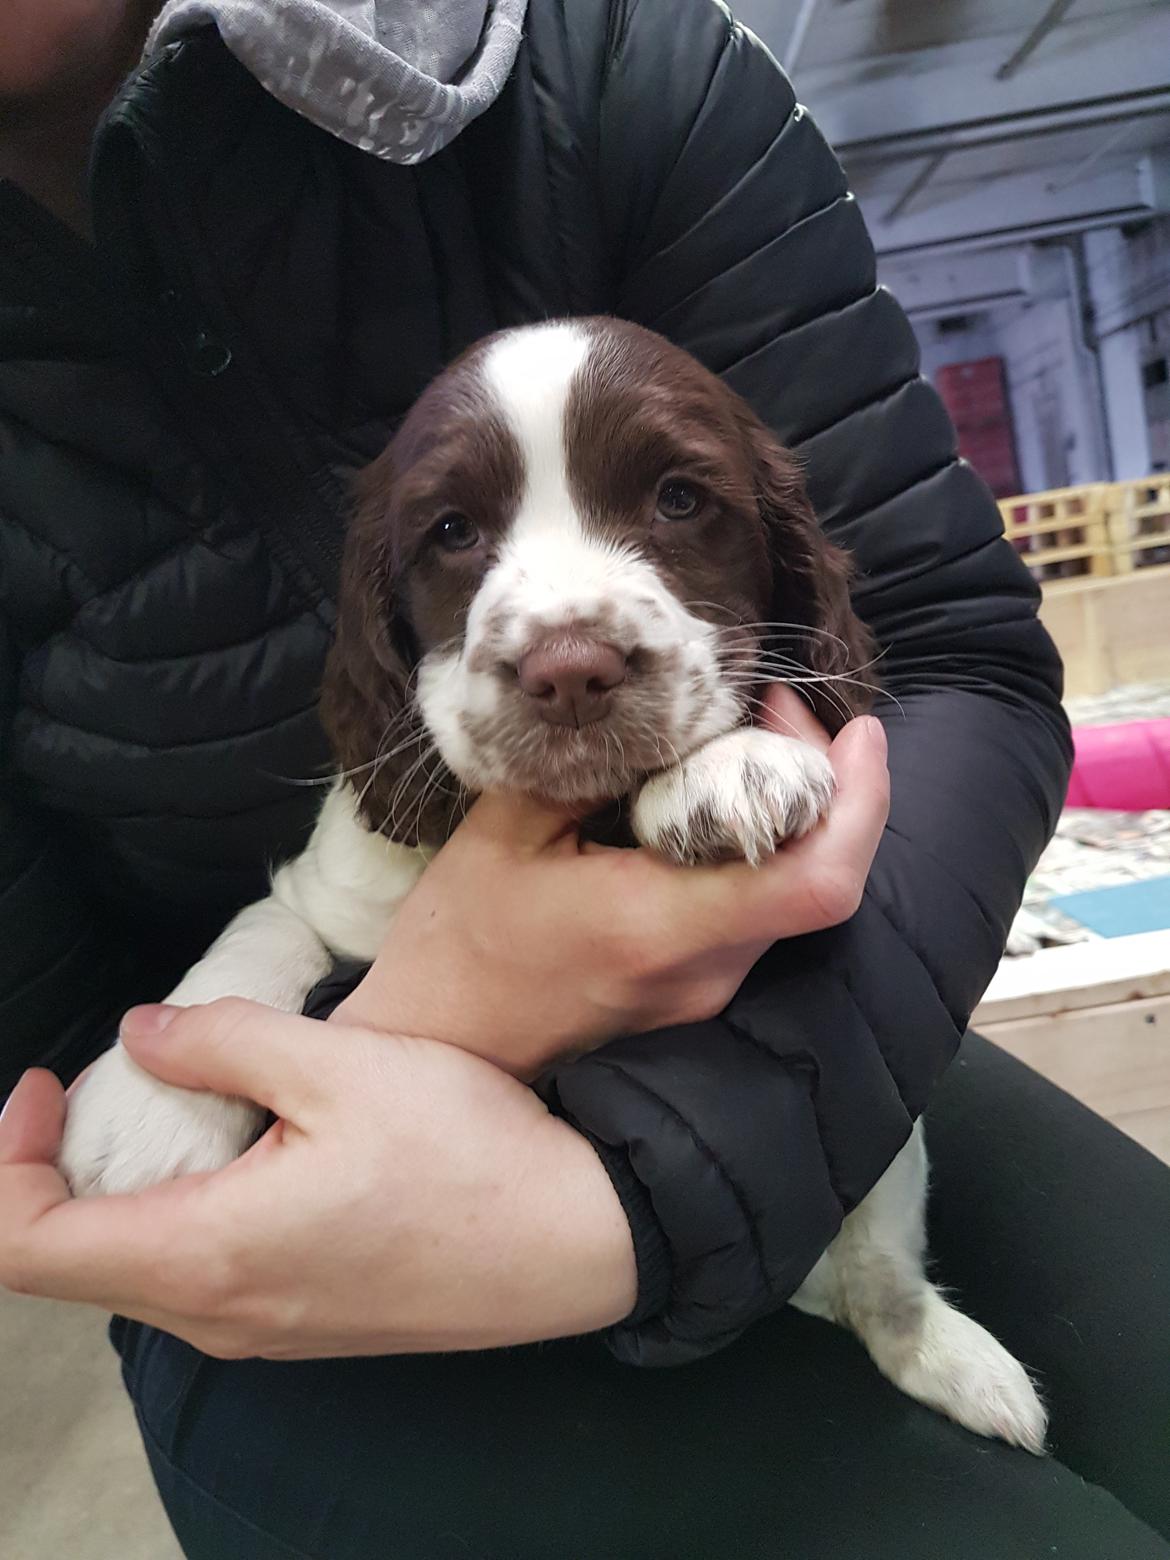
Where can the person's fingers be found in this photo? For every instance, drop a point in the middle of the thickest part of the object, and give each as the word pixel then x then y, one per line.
pixel 40 1252
pixel 121 1253
pixel 831 864
pixel 522 823
pixel 809 884
pixel 28 1194
pixel 30 1129
pixel 786 713
pixel 237 1048
pixel 858 755
pixel 32 1190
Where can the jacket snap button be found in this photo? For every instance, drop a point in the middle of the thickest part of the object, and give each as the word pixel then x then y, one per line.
pixel 208 356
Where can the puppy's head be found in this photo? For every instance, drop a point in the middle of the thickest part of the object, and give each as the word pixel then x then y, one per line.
pixel 579 559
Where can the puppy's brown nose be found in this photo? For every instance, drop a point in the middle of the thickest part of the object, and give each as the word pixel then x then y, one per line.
pixel 571 678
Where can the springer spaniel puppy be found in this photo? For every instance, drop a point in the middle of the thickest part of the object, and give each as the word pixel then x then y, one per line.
pixel 570 573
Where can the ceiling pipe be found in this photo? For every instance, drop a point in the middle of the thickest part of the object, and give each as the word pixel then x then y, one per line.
pixel 1053 17
pixel 799 29
pixel 1108 144
pixel 999 130
pixel 967 243
pixel 917 184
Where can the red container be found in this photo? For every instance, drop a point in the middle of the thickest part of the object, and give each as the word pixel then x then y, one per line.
pixel 983 373
pixel 998 469
pixel 975 395
pixel 985 456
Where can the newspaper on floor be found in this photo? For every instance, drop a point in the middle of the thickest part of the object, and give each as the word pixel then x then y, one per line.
pixel 1092 848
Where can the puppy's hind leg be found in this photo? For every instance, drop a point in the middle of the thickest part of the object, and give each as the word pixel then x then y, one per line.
pixel 872 1280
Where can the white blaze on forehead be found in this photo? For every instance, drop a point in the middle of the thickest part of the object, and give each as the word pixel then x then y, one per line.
pixel 529 375
pixel 551 569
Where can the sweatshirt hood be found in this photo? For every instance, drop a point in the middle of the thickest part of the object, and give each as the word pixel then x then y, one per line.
pixel 398 78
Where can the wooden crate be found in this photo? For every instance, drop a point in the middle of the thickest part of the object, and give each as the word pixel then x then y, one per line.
pixel 1095 1019
pixel 1097 531
pixel 1110 630
pixel 1062 534
pixel 1102 555
pixel 1141 524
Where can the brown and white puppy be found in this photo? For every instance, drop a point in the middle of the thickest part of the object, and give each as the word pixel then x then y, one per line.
pixel 570 573
pixel 574 566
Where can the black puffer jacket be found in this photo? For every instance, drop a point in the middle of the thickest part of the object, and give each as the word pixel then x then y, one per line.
pixel 178 409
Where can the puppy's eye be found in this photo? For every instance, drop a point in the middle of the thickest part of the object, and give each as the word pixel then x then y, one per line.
pixel 455 533
pixel 678 500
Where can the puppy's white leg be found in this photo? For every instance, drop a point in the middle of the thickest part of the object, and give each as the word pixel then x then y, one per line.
pixel 871 1280
pixel 126 1130
pixel 739 796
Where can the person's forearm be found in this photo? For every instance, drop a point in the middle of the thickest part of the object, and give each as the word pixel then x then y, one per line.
pixel 379 1001
pixel 561 1251
pixel 551 1256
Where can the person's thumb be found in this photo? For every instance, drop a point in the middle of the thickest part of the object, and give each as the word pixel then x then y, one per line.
pixel 234 1047
pixel 32 1120
pixel 785 712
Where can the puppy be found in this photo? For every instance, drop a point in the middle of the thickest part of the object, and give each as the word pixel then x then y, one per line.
pixel 571 573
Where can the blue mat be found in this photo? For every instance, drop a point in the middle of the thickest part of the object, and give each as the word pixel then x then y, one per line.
pixel 1121 911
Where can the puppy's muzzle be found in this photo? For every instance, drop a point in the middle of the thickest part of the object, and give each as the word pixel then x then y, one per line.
pixel 569 678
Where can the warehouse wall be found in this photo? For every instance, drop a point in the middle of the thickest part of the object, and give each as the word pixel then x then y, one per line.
pixel 1085 345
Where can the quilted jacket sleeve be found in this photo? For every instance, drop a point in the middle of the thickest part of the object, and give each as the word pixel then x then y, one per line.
pixel 738 1145
pixel 61 971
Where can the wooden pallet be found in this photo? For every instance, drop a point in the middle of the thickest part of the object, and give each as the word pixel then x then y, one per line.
pixel 1096 531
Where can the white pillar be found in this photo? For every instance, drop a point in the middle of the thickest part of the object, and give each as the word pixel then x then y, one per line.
pixel 1125 406
pixel 1119 353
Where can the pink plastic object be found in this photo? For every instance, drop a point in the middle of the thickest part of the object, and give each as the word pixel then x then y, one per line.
pixel 1126 766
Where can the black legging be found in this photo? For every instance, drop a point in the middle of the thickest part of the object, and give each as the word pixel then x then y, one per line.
pixel 1053 1229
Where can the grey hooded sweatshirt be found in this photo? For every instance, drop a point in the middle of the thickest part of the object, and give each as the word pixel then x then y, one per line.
pixel 398 78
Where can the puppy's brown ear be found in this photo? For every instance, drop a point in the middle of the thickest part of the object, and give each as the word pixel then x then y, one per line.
pixel 368 705
pixel 810 589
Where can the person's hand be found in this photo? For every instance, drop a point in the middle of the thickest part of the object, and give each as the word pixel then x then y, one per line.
pixel 410 1198
pixel 522 944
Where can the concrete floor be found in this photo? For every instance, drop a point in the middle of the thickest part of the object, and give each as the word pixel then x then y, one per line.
pixel 74 1484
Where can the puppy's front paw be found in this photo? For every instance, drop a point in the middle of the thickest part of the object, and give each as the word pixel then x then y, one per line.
pixel 126 1130
pixel 955 1366
pixel 740 796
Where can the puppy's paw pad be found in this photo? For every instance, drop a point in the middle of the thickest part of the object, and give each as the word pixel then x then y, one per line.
pixel 738 797
pixel 126 1131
